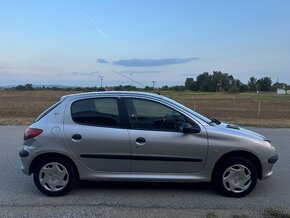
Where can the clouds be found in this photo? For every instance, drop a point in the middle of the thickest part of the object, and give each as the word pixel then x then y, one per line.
pixel 102 61
pixel 82 74
pixel 148 62
pixel 190 74
pixel 85 74
pixel 133 72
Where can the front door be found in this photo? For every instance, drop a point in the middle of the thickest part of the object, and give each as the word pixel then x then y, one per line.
pixel 158 143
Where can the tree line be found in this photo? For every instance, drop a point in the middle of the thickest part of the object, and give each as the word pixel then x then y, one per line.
pixel 205 82
pixel 223 82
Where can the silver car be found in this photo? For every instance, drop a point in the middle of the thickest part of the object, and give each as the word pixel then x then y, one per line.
pixel 135 136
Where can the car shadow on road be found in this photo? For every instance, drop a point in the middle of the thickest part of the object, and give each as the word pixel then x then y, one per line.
pixel 143 186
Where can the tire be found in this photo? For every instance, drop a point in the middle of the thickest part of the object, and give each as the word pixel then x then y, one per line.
pixel 236 177
pixel 54 176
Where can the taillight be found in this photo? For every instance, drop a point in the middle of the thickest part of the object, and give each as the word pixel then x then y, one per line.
pixel 31 133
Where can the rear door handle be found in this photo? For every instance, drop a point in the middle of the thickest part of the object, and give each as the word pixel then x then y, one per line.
pixel 76 137
pixel 140 141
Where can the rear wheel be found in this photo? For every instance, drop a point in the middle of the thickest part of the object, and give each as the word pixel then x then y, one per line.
pixel 54 176
pixel 236 177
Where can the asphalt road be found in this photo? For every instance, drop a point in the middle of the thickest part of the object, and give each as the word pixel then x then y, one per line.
pixel 19 196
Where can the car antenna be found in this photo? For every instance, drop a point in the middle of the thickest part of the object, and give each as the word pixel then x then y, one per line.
pixel 135 81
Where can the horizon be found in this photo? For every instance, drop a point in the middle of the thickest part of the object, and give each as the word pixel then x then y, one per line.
pixel 74 43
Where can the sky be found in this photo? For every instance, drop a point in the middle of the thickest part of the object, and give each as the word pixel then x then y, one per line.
pixel 78 42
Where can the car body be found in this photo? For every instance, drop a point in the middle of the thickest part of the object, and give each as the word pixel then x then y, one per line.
pixel 136 136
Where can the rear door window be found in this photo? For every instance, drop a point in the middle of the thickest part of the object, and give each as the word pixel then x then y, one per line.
pixel 96 112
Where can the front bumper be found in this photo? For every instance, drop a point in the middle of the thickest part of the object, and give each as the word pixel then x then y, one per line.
pixel 273 160
pixel 267 167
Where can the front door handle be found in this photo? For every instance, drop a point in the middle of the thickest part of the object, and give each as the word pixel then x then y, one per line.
pixel 140 141
pixel 76 137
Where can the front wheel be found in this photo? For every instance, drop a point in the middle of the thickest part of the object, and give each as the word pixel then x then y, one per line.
pixel 54 176
pixel 236 177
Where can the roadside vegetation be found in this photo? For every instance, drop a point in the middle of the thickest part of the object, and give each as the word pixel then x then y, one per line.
pixel 205 82
pixel 276 213
pixel 267 213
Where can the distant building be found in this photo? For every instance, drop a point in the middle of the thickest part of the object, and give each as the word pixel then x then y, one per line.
pixel 281 91
pixel 288 91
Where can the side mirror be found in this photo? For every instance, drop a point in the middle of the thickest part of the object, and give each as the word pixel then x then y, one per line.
pixel 188 128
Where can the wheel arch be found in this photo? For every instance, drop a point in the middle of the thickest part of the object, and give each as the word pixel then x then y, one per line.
pixel 244 154
pixel 53 155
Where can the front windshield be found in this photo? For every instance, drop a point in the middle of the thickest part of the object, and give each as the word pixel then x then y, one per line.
pixel 203 118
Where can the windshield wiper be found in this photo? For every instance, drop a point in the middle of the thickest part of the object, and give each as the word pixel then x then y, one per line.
pixel 214 120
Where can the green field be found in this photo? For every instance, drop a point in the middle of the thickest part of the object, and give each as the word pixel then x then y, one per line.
pixel 22 107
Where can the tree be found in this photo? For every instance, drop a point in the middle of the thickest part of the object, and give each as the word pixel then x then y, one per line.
pixel 165 88
pixel 218 81
pixel 118 88
pixel 177 88
pixel 252 83
pixel 190 84
pixel 148 88
pixel 242 87
pixel 203 82
pixel 20 87
pixel 234 89
pixel 27 86
pixel 278 85
pixel 264 84
pixel 101 89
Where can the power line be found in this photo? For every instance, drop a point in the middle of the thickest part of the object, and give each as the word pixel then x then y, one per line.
pixel 136 81
pixel 130 78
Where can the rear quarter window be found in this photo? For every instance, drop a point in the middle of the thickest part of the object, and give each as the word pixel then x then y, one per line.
pixel 47 111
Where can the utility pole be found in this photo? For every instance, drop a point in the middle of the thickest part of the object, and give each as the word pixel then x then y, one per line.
pixel 101 77
pixel 153 84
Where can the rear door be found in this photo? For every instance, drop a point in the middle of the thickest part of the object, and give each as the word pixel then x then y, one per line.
pixel 95 133
pixel 158 143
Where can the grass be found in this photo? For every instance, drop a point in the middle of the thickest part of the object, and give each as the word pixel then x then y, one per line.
pixel 22 107
pixel 211 215
pixel 242 109
pixel 239 216
pixel 276 213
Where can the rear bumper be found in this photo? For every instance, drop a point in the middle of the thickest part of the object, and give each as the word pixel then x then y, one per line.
pixel 23 153
pixel 25 157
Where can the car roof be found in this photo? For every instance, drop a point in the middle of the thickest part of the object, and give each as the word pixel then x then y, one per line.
pixel 111 94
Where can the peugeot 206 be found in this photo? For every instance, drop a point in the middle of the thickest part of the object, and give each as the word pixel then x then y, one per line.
pixel 136 136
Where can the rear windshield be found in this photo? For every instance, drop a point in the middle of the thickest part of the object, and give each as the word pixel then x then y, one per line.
pixel 47 111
